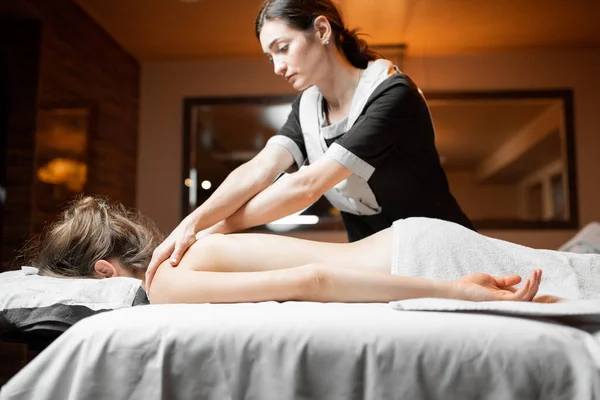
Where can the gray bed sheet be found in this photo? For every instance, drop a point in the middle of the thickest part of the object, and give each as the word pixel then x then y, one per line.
pixel 299 350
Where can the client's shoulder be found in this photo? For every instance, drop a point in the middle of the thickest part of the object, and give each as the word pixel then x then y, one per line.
pixel 206 253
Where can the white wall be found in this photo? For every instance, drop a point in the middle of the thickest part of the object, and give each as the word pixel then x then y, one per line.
pixel 164 85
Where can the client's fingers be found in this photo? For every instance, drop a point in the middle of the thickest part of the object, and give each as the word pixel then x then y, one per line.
pixel 538 282
pixel 507 280
pixel 529 289
pixel 536 277
pixel 523 291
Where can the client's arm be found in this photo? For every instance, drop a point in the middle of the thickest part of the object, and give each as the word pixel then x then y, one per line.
pixel 323 284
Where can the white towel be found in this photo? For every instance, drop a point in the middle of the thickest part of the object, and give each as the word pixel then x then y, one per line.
pixel 437 249
pixel 575 310
pixel 26 289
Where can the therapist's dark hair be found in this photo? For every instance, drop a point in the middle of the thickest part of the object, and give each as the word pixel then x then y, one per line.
pixel 90 229
pixel 301 14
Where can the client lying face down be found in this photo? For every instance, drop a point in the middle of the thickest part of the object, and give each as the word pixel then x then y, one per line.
pixel 95 238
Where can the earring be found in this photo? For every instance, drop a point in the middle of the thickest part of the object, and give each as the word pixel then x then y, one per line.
pixel 326 42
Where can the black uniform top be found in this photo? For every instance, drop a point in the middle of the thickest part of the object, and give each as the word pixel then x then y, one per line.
pixel 391 146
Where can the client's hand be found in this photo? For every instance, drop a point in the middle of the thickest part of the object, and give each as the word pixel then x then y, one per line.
pixel 483 287
pixel 172 248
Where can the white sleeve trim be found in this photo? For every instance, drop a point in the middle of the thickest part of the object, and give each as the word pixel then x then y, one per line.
pixel 291 146
pixel 357 165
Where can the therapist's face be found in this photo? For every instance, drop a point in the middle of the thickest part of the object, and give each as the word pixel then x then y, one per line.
pixel 296 55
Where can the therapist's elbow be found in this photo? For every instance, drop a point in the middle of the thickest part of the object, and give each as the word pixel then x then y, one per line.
pixel 258 172
pixel 247 175
pixel 306 188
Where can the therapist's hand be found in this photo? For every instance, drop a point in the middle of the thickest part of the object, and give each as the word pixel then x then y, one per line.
pixel 172 248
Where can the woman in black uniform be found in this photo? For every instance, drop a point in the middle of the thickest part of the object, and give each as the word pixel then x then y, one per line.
pixel 361 127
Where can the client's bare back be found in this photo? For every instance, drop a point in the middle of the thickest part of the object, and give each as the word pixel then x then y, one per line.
pixel 246 252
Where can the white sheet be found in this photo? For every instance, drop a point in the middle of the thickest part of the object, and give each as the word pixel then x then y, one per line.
pixel 311 351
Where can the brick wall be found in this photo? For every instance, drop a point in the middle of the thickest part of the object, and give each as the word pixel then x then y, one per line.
pixel 20 57
pixel 71 63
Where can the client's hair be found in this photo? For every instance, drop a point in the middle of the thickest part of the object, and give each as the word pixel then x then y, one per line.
pixel 91 229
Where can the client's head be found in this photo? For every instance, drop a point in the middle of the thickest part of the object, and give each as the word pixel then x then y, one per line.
pixel 95 238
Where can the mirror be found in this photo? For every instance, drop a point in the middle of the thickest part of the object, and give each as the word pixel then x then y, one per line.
pixel 509 155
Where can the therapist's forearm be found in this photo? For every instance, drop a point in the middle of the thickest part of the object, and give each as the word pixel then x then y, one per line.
pixel 239 186
pixel 286 196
